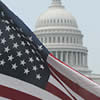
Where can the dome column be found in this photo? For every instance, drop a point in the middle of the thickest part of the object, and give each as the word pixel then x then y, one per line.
pixel 72 58
pixel 86 59
pixel 76 55
pixel 61 55
pixel 66 57
pixel 80 60
pixel 56 54
pixel 83 60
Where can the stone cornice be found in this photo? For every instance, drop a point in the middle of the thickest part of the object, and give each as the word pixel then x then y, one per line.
pixel 68 48
pixel 57 31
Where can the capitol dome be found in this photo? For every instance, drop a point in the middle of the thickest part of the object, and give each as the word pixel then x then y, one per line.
pixel 56 15
pixel 57 29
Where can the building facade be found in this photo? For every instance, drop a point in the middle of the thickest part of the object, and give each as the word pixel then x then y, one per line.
pixel 57 29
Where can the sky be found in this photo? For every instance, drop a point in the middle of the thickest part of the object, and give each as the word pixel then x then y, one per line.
pixel 86 13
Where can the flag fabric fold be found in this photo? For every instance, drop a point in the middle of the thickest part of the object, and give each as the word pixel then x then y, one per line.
pixel 28 71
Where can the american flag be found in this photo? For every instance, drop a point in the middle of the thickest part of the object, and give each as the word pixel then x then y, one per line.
pixel 28 71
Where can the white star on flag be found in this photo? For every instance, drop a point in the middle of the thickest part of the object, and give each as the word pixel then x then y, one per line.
pixel 42 67
pixel 34 68
pixel 23 62
pixel 2 62
pixel 23 43
pixel 10 58
pixel 38 76
pixel 7 49
pixel 11 36
pixel 15 45
pixel 27 51
pixel 26 71
pixel 14 66
pixel 31 60
pixel 3 41
pixel 19 54
pixel 8 28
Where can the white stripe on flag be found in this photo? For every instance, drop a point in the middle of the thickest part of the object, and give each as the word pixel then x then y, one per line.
pixel 2 98
pixel 25 87
pixel 74 76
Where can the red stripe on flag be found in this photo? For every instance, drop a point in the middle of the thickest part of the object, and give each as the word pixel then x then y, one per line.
pixel 54 90
pixel 15 95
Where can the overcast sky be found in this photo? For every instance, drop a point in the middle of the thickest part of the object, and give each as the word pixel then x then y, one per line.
pixel 86 13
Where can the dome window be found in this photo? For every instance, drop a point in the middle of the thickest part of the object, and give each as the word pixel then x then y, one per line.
pixel 58 39
pixel 54 21
pixel 49 39
pixel 45 40
pixel 67 40
pixel 51 21
pixel 77 40
pixel 54 39
pixel 68 21
pixel 41 39
pixel 65 20
pixel 58 21
pixel 63 39
pixel 61 21
pixel 74 40
pixel 71 40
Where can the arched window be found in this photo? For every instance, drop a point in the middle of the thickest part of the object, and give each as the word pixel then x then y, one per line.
pixel 54 21
pixel 67 40
pixel 65 20
pixel 63 39
pixel 58 21
pixel 49 39
pixel 70 39
pixel 45 39
pixel 51 21
pixel 54 39
pixel 58 39
pixel 77 40
pixel 68 21
pixel 41 39
pixel 61 21
pixel 74 40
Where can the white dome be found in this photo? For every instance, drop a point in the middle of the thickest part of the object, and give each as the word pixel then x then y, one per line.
pixel 56 15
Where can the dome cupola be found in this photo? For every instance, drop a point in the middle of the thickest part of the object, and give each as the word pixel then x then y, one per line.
pixel 56 16
pixel 56 3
